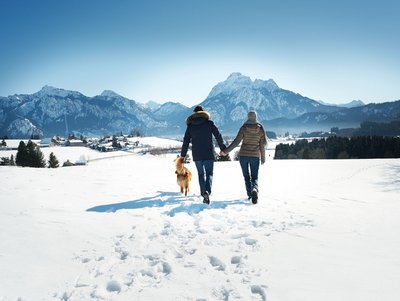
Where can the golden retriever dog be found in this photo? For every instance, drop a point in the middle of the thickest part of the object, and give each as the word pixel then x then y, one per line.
pixel 183 175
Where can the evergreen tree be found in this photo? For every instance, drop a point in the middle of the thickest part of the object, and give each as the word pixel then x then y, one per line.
pixel 30 147
pixel 318 153
pixel 22 155
pixel 12 161
pixel 39 159
pixel 35 155
pixel 306 153
pixel 115 143
pixel 343 155
pixel 53 162
pixel 3 143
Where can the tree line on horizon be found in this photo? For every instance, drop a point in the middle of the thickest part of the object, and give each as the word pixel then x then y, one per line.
pixel 361 147
pixel 371 128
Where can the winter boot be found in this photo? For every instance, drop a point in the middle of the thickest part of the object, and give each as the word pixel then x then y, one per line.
pixel 254 196
pixel 206 198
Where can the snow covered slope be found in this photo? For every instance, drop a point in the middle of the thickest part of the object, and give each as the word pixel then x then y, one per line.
pixel 117 229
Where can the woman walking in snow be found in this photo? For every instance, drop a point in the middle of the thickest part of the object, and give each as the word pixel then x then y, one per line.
pixel 251 152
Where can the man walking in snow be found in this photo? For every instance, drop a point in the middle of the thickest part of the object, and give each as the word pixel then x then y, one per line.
pixel 199 131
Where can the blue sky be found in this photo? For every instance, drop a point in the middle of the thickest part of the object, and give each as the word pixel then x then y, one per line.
pixel 177 50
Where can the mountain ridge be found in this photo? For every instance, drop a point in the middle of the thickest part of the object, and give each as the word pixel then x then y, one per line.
pixel 55 111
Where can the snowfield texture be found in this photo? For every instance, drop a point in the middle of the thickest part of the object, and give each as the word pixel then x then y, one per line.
pixel 117 229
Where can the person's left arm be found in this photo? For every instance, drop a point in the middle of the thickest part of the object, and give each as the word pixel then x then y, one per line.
pixel 263 143
pixel 218 137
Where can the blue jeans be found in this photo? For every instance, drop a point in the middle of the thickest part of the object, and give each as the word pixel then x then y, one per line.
pixel 205 169
pixel 250 166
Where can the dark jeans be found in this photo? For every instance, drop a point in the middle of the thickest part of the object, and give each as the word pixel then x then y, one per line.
pixel 205 169
pixel 250 166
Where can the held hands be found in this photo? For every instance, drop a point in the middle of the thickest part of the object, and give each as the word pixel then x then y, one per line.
pixel 223 154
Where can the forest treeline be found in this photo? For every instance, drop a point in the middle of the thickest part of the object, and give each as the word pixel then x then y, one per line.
pixel 362 147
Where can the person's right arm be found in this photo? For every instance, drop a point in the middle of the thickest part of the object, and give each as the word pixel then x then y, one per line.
pixel 185 144
pixel 235 142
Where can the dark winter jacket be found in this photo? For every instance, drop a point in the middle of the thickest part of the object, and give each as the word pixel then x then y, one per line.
pixel 199 131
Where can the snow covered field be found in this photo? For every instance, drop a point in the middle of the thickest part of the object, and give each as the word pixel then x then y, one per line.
pixel 117 229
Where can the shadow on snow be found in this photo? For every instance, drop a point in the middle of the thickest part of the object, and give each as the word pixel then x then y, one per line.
pixel 189 204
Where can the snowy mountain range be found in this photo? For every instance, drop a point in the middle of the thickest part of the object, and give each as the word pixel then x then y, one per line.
pixel 351 104
pixel 54 111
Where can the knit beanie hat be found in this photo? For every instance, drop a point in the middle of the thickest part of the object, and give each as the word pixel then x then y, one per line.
pixel 252 117
pixel 198 109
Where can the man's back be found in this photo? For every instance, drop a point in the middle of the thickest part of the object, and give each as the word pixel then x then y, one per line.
pixel 199 132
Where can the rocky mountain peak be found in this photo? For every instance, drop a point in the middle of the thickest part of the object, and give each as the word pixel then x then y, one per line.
pixel 110 93
pixel 52 91
pixel 270 84
pixel 236 81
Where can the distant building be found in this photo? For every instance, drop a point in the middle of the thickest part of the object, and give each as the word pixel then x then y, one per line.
pixel 74 142
pixel 57 141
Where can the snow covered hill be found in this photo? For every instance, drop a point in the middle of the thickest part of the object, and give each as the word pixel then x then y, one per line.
pixel 117 229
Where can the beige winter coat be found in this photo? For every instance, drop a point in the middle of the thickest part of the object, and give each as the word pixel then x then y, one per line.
pixel 253 140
